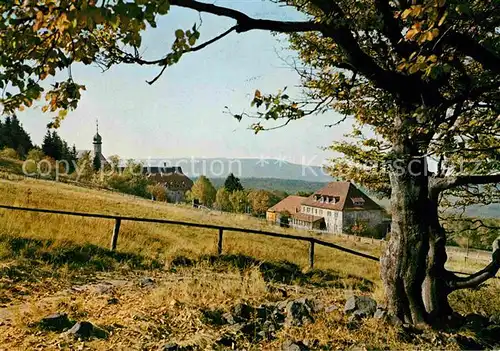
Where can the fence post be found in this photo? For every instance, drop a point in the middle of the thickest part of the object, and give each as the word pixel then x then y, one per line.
pixel 311 254
pixel 116 230
pixel 219 242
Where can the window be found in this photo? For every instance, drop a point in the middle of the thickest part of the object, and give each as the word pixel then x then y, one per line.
pixel 321 212
pixel 336 215
pixel 308 209
pixel 329 213
pixel 315 211
pixel 358 201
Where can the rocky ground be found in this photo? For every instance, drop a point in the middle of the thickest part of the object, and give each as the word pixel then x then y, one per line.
pixel 193 306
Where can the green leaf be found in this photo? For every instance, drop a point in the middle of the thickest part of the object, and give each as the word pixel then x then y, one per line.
pixel 179 34
pixel 163 7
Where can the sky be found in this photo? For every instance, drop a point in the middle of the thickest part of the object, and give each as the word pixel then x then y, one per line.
pixel 182 114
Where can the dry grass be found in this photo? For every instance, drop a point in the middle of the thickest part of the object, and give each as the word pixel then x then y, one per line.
pixel 43 256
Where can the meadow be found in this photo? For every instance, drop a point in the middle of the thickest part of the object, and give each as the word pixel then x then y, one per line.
pixel 54 263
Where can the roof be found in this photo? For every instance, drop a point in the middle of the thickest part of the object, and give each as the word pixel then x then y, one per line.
pixel 347 195
pixel 97 138
pixel 291 204
pixel 306 217
pixel 172 180
pixel 156 170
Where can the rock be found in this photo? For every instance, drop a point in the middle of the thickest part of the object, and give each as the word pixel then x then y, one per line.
pixel 86 330
pixel 103 288
pixel 357 348
pixel 55 322
pixel 214 317
pixel 466 343
pixel 494 319
pixel 282 305
pixel 298 312
pixel 242 311
pixel 491 334
pixel 228 318
pixel 227 340
pixel 476 321
pixel 146 282
pixel 170 347
pixel 251 331
pixel 380 314
pixel 289 345
pixel 113 301
pixel 331 308
pixel 363 305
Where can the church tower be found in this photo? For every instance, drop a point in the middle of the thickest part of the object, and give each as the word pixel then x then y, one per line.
pixel 97 142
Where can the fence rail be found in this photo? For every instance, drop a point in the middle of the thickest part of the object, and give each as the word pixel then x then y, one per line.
pixel 119 219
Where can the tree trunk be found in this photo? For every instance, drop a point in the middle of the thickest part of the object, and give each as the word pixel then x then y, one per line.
pixel 436 288
pixel 403 265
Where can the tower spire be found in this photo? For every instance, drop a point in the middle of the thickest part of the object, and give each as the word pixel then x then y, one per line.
pixel 97 125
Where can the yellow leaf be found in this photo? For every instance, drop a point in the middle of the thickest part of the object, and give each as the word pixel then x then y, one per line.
pixel 258 94
pixel 432 58
pixel 406 13
pixel 443 18
pixel 411 34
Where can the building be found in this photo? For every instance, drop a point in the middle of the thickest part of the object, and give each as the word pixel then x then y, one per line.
pixel 285 207
pixel 176 183
pixel 97 151
pixel 336 208
pixel 343 206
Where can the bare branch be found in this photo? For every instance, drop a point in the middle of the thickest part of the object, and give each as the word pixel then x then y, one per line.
pixel 245 22
pixel 483 275
pixel 441 184
pixel 164 61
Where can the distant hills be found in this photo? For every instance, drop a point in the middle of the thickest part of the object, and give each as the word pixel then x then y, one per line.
pixel 290 186
pixel 273 174
pixel 243 168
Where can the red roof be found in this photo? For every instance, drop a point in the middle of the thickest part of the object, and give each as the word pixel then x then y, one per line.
pixel 306 217
pixel 290 204
pixel 341 196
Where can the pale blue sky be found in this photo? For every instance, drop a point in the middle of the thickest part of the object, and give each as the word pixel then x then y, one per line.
pixel 181 115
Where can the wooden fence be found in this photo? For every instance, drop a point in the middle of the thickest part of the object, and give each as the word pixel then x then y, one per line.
pixel 118 220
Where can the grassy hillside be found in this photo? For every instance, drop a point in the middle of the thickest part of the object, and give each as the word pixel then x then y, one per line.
pixel 51 263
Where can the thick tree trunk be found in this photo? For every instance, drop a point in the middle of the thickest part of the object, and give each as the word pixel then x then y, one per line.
pixel 403 265
pixel 436 289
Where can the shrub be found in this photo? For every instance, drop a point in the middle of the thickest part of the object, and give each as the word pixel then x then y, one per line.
pixel 9 153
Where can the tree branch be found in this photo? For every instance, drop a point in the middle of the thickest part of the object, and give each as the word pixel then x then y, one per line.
pixel 483 275
pixel 472 48
pixel 245 22
pixel 441 184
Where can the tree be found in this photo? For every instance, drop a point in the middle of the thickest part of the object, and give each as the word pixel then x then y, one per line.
pixel 158 192
pixel 9 152
pixel 259 200
pixel 232 183
pixel 421 77
pixel 114 162
pixel 85 169
pixel 204 191
pixel 13 135
pixel 304 193
pixel 33 157
pixel 239 201
pixel 222 200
